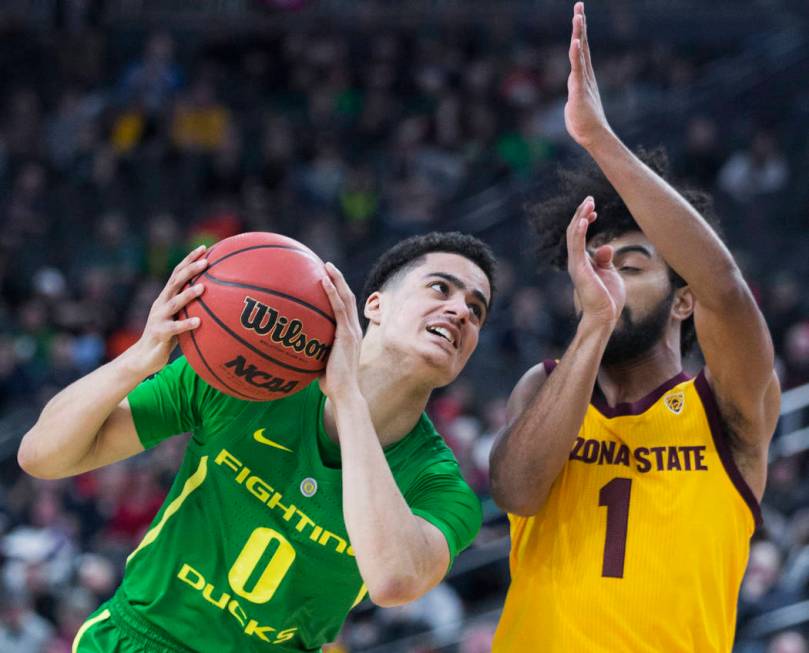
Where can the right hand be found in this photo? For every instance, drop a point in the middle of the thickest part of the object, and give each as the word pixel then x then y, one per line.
pixel 344 357
pixel 151 353
pixel 599 287
pixel 584 113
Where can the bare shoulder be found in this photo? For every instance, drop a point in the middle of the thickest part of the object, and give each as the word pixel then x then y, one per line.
pixel 527 388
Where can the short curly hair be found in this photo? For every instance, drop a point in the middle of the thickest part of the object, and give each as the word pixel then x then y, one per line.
pixel 410 252
pixel 550 218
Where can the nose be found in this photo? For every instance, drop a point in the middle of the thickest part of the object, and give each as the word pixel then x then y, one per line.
pixel 458 308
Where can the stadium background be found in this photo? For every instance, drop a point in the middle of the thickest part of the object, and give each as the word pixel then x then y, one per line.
pixel 132 130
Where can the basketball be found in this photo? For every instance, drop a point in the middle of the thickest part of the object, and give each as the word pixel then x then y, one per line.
pixel 266 324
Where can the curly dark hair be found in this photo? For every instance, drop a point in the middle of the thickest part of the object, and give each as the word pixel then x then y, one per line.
pixel 551 217
pixel 411 252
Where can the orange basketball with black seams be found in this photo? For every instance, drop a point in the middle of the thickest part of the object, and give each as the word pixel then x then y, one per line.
pixel 266 324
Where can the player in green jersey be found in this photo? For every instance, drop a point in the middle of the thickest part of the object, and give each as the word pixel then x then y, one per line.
pixel 285 513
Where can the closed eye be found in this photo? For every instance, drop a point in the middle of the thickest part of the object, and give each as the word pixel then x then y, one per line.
pixel 628 268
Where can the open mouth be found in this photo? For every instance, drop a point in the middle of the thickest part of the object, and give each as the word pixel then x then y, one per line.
pixel 443 333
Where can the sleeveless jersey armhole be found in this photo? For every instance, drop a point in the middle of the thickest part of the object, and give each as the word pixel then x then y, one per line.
pixel 722 444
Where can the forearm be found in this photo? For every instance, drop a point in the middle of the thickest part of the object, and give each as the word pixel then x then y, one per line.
pixel 530 454
pixel 66 431
pixel 384 533
pixel 683 238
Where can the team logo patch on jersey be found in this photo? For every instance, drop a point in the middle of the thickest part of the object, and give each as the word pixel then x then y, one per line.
pixel 675 402
pixel 308 486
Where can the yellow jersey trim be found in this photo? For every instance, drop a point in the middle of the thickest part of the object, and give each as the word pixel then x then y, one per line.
pixel 191 484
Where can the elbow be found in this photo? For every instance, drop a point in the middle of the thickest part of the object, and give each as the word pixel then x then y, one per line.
pixel 729 291
pixel 516 501
pixel 506 492
pixel 29 462
pixel 26 460
pixel 393 590
pixel 733 290
pixel 520 507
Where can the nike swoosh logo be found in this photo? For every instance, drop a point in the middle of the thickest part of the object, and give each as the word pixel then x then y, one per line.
pixel 258 436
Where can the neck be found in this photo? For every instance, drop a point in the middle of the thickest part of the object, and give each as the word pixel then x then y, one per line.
pixel 396 398
pixel 632 380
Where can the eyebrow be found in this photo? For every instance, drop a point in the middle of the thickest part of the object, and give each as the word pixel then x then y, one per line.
pixel 627 249
pixel 455 281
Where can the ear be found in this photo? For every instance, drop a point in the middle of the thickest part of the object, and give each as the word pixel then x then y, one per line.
pixel 373 308
pixel 683 306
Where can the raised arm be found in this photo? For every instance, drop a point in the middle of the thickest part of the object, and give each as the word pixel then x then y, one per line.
pixel 89 423
pixel 546 412
pixel 400 555
pixel 731 330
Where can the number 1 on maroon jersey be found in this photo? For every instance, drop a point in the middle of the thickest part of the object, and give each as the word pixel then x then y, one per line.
pixel 615 497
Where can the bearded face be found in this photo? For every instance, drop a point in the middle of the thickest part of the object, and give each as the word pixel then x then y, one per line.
pixel 650 297
pixel 635 335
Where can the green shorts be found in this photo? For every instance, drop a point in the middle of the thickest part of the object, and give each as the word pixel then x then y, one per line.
pixel 116 628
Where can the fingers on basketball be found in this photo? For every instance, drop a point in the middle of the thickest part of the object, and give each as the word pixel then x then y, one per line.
pixel 331 292
pixel 181 300
pixel 177 327
pixel 185 270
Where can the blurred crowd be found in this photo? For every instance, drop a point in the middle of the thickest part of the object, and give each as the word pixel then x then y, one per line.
pixel 121 150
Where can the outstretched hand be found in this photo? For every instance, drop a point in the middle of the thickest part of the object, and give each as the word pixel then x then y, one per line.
pixel 344 359
pixel 599 287
pixel 584 114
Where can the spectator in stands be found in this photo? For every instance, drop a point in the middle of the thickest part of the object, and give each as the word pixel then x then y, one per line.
pixel 790 641
pixel 796 354
pixel 153 80
pixel 760 170
pixel 21 629
pixel 760 591
pixel 701 158
pixel 201 124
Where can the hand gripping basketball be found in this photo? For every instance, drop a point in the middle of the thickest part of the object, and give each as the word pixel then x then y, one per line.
pixel 344 360
pixel 160 334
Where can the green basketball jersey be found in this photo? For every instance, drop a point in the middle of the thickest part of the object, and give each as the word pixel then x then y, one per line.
pixel 250 551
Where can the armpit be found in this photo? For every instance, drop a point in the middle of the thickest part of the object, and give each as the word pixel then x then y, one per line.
pixel 751 459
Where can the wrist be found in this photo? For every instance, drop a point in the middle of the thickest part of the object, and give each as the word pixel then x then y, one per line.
pixel 595 327
pixel 349 397
pixel 351 412
pixel 130 364
pixel 599 140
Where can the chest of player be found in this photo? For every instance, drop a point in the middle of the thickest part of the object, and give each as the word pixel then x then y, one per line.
pixel 283 549
pixel 666 451
pixel 280 488
pixel 650 444
pixel 653 481
pixel 648 517
pixel 274 473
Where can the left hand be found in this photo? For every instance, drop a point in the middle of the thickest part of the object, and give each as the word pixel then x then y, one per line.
pixel 599 287
pixel 584 114
pixel 341 376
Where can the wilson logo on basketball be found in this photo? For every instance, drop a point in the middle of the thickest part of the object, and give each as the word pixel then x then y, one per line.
pixel 265 320
pixel 259 378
